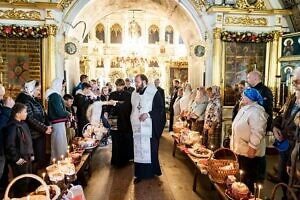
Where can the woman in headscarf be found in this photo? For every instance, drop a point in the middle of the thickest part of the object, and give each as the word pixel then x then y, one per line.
pixel 185 100
pixel 213 119
pixel 196 115
pixel 248 136
pixel 36 120
pixel 58 116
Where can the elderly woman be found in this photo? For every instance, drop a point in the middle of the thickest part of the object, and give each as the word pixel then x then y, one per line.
pixel 36 120
pixel 213 118
pixel 248 136
pixel 198 107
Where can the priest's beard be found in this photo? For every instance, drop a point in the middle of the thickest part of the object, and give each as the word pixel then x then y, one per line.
pixel 140 88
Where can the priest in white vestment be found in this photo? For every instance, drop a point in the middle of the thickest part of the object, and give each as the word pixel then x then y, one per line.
pixel 148 121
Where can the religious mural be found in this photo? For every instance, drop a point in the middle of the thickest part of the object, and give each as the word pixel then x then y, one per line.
pixel 241 58
pixel 116 34
pixel 20 61
pixel 100 34
pixel 291 45
pixel 153 34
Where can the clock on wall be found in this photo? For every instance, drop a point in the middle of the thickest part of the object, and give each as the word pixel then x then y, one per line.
pixel 70 48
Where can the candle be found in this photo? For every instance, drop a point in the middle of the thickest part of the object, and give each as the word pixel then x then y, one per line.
pixel 254 191
pixel 28 197
pixel 53 160
pixel 212 147
pixel 62 157
pixel 241 173
pixel 259 188
pixel 43 175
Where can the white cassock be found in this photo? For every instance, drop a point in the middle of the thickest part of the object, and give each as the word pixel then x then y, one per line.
pixel 142 131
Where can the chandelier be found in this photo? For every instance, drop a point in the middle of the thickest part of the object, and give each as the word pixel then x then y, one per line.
pixel 134 28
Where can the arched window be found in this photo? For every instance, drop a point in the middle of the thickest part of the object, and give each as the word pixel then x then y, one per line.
pixel 169 35
pixel 116 34
pixel 100 34
pixel 153 33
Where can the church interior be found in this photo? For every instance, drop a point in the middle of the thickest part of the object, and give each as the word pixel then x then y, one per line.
pixel 200 43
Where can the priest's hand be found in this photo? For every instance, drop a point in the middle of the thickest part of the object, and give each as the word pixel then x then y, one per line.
pixel 143 117
pixel 251 152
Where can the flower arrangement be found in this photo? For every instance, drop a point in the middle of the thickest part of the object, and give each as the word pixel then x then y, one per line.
pixel 228 36
pixel 9 31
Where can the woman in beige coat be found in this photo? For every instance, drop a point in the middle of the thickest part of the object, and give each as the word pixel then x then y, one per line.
pixel 248 136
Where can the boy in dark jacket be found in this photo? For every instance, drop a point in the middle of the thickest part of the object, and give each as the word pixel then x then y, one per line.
pixel 72 122
pixel 18 146
pixel 36 120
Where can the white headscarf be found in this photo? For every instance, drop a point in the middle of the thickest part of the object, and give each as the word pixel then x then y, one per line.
pixel 29 87
pixel 56 87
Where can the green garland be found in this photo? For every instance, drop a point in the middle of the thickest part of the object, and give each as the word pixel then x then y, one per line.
pixel 14 31
pixel 228 36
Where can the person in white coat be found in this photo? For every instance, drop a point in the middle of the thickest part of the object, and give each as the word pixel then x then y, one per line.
pixel 248 136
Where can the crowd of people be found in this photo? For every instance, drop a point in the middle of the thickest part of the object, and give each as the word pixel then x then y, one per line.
pixel 135 118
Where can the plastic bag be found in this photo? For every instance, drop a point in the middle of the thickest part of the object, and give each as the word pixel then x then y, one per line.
pixel 75 193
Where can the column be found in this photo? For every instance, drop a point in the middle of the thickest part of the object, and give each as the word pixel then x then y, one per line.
pixel 217 58
pixel 48 55
pixel 274 68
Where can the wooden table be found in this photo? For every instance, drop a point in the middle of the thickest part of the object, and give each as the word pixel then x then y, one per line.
pixel 195 160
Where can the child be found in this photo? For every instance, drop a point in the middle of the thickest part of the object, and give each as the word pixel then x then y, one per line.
pixel 19 151
pixel 71 123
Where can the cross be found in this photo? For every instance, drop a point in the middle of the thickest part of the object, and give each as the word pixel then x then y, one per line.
pixel 139 107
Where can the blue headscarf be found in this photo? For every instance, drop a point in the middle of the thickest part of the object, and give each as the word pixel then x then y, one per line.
pixel 253 95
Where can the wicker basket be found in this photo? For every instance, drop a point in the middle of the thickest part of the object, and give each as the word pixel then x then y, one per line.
pixel 293 195
pixel 219 175
pixel 47 197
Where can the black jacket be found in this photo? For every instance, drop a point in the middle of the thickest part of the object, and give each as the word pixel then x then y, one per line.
pixel 36 117
pixel 266 93
pixel 173 98
pixel 129 89
pixel 105 108
pixel 162 94
pixel 122 110
pixel 4 118
pixel 18 143
pixel 82 103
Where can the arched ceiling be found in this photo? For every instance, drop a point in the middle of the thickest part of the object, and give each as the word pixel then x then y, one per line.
pixel 93 11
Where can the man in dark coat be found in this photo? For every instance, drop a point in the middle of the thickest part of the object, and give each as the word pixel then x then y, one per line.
pixel 128 86
pixel 172 101
pixel 254 80
pixel 160 90
pixel 148 121
pixel 83 79
pixel 82 102
pixel 284 128
pixel 5 110
pixel 122 141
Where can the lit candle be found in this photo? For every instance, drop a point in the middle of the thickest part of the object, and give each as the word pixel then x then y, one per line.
pixel 212 147
pixel 259 188
pixel 43 175
pixel 58 162
pixel 28 197
pixel 53 160
pixel 241 173
pixel 62 157
pixel 254 191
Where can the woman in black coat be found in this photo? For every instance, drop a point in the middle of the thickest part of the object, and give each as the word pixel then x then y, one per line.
pixel 36 120
pixel 18 146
